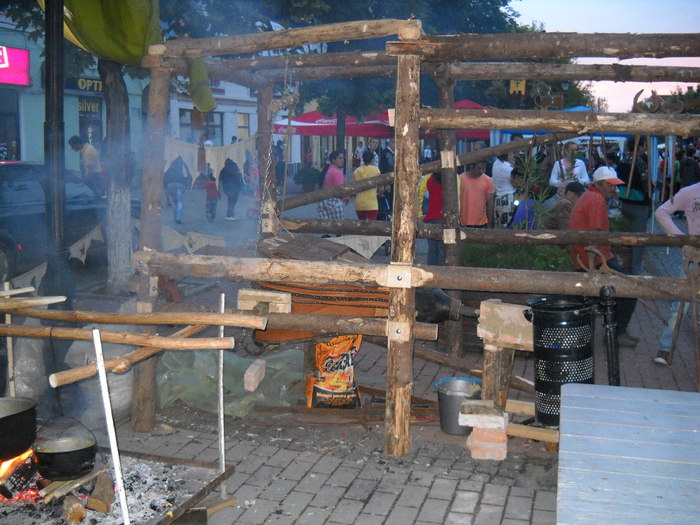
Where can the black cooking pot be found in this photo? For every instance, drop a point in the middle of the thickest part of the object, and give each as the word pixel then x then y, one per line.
pixel 65 458
pixel 17 426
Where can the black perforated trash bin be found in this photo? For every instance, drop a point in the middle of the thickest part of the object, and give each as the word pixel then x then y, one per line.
pixel 563 343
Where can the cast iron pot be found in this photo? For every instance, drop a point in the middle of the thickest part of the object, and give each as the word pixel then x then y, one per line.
pixel 17 426
pixel 65 458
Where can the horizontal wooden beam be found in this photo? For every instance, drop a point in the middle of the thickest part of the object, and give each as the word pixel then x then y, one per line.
pixel 534 45
pixel 447 277
pixel 289 38
pixel 566 72
pixel 581 122
pixel 486 236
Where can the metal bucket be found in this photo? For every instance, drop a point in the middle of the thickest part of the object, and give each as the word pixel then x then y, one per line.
pixel 451 392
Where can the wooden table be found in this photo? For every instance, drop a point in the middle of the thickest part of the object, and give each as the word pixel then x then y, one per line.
pixel 628 455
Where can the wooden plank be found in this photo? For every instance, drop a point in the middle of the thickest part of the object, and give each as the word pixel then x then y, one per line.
pixel 613 393
pixel 645 492
pixel 571 461
pixel 626 449
pixel 636 419
pixel 627 433
pixel 572 511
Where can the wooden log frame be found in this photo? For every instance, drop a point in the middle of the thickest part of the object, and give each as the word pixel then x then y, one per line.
pixel 580 122
pixel 532 45
pixel 473 235
pixel 257 71
pixel 459 278
pixel 402 300
pixel 289 38
pixel 464 47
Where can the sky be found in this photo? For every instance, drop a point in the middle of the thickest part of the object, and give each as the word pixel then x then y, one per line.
pixel 618 16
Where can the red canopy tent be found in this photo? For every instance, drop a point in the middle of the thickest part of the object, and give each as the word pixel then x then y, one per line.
pixel 316 123
pixel 376 125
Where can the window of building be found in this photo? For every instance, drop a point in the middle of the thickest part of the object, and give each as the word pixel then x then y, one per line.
pixel 212 126
pixel 243 131
pixel 9 125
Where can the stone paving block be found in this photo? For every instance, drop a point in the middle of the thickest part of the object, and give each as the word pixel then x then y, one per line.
pixel 343 477
pixel 511 521
pixel 495 494
pixel 236 480
pixel 443 488
pixel 546 500
pixel 295 503
pixel 278 489
pixel 488 515
pixel 412 496
pixel 421 477
pixel 518 507
pixel 326 465
pixel 506 482
pixel 525 492
pixel 314 516
pixel 433 510
pixel 246 494
pixel 544 517
pixel 327 497
pixel 471 485
pixel 278 519
pixel 282 458
pixel 460 474
pixel 210 454
pixel 455 518
pixel 372 471
pixel 480 477
pixel 265 451
pixel 226 516
pixel 401 515
pixel 239 451
pixel 312 482
pixel 465 502
pixel 369 519
pixel 393 482
pixel 296 470
pixel 308 456
pixel 258 512
pixel 346 511
pixel 361 489
pixel 380 503
pixel 264 476
pixel 250 464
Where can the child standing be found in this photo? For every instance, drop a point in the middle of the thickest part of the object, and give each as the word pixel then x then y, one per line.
pixel 212 196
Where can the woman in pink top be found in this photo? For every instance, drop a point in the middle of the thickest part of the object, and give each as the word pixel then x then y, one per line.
pixel 332 175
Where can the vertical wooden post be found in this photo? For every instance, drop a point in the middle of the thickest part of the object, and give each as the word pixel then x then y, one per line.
pixel 450 209
pixel 266 166
pixel 144 390
pixel 498 369
pixel 399 376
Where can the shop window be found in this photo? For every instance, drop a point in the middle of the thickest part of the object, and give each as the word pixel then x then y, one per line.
pixel 10 148
pixel 212 126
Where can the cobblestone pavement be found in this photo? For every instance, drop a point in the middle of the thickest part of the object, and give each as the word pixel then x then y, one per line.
pixel 297 468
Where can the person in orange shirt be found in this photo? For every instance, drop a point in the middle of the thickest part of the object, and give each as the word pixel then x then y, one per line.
pixel 590 213
pixel 476 197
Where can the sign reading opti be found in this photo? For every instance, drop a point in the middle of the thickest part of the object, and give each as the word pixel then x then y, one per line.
pixel 14 66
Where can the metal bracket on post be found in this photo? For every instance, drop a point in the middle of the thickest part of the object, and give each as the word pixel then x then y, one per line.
pixel 398 275
pixel 397 331
pixel 268 217
pixel 447 157
pixel 449 236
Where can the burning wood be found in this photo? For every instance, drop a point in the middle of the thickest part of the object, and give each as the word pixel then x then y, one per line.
pixel 16 474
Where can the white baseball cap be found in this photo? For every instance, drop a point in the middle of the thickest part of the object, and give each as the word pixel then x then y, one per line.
pixel 607 174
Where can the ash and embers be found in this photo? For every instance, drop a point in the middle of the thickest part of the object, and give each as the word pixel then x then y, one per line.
pixel 152 490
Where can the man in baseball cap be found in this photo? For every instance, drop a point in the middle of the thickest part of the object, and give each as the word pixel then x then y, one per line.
pixel 590 213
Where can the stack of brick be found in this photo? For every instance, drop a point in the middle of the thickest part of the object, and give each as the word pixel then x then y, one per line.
pixel 488 439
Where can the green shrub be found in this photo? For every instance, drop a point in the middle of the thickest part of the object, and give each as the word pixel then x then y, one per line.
pixel 517 257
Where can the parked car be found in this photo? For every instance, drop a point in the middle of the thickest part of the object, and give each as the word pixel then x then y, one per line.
pixel 24 222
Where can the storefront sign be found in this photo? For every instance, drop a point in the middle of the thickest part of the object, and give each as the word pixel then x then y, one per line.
pixel 93 85
pixel 14 66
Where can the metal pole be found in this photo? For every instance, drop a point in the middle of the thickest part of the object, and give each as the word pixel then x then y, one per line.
pixel 53 124
pixel 111 433
pixel 222 435
pixel 607 295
